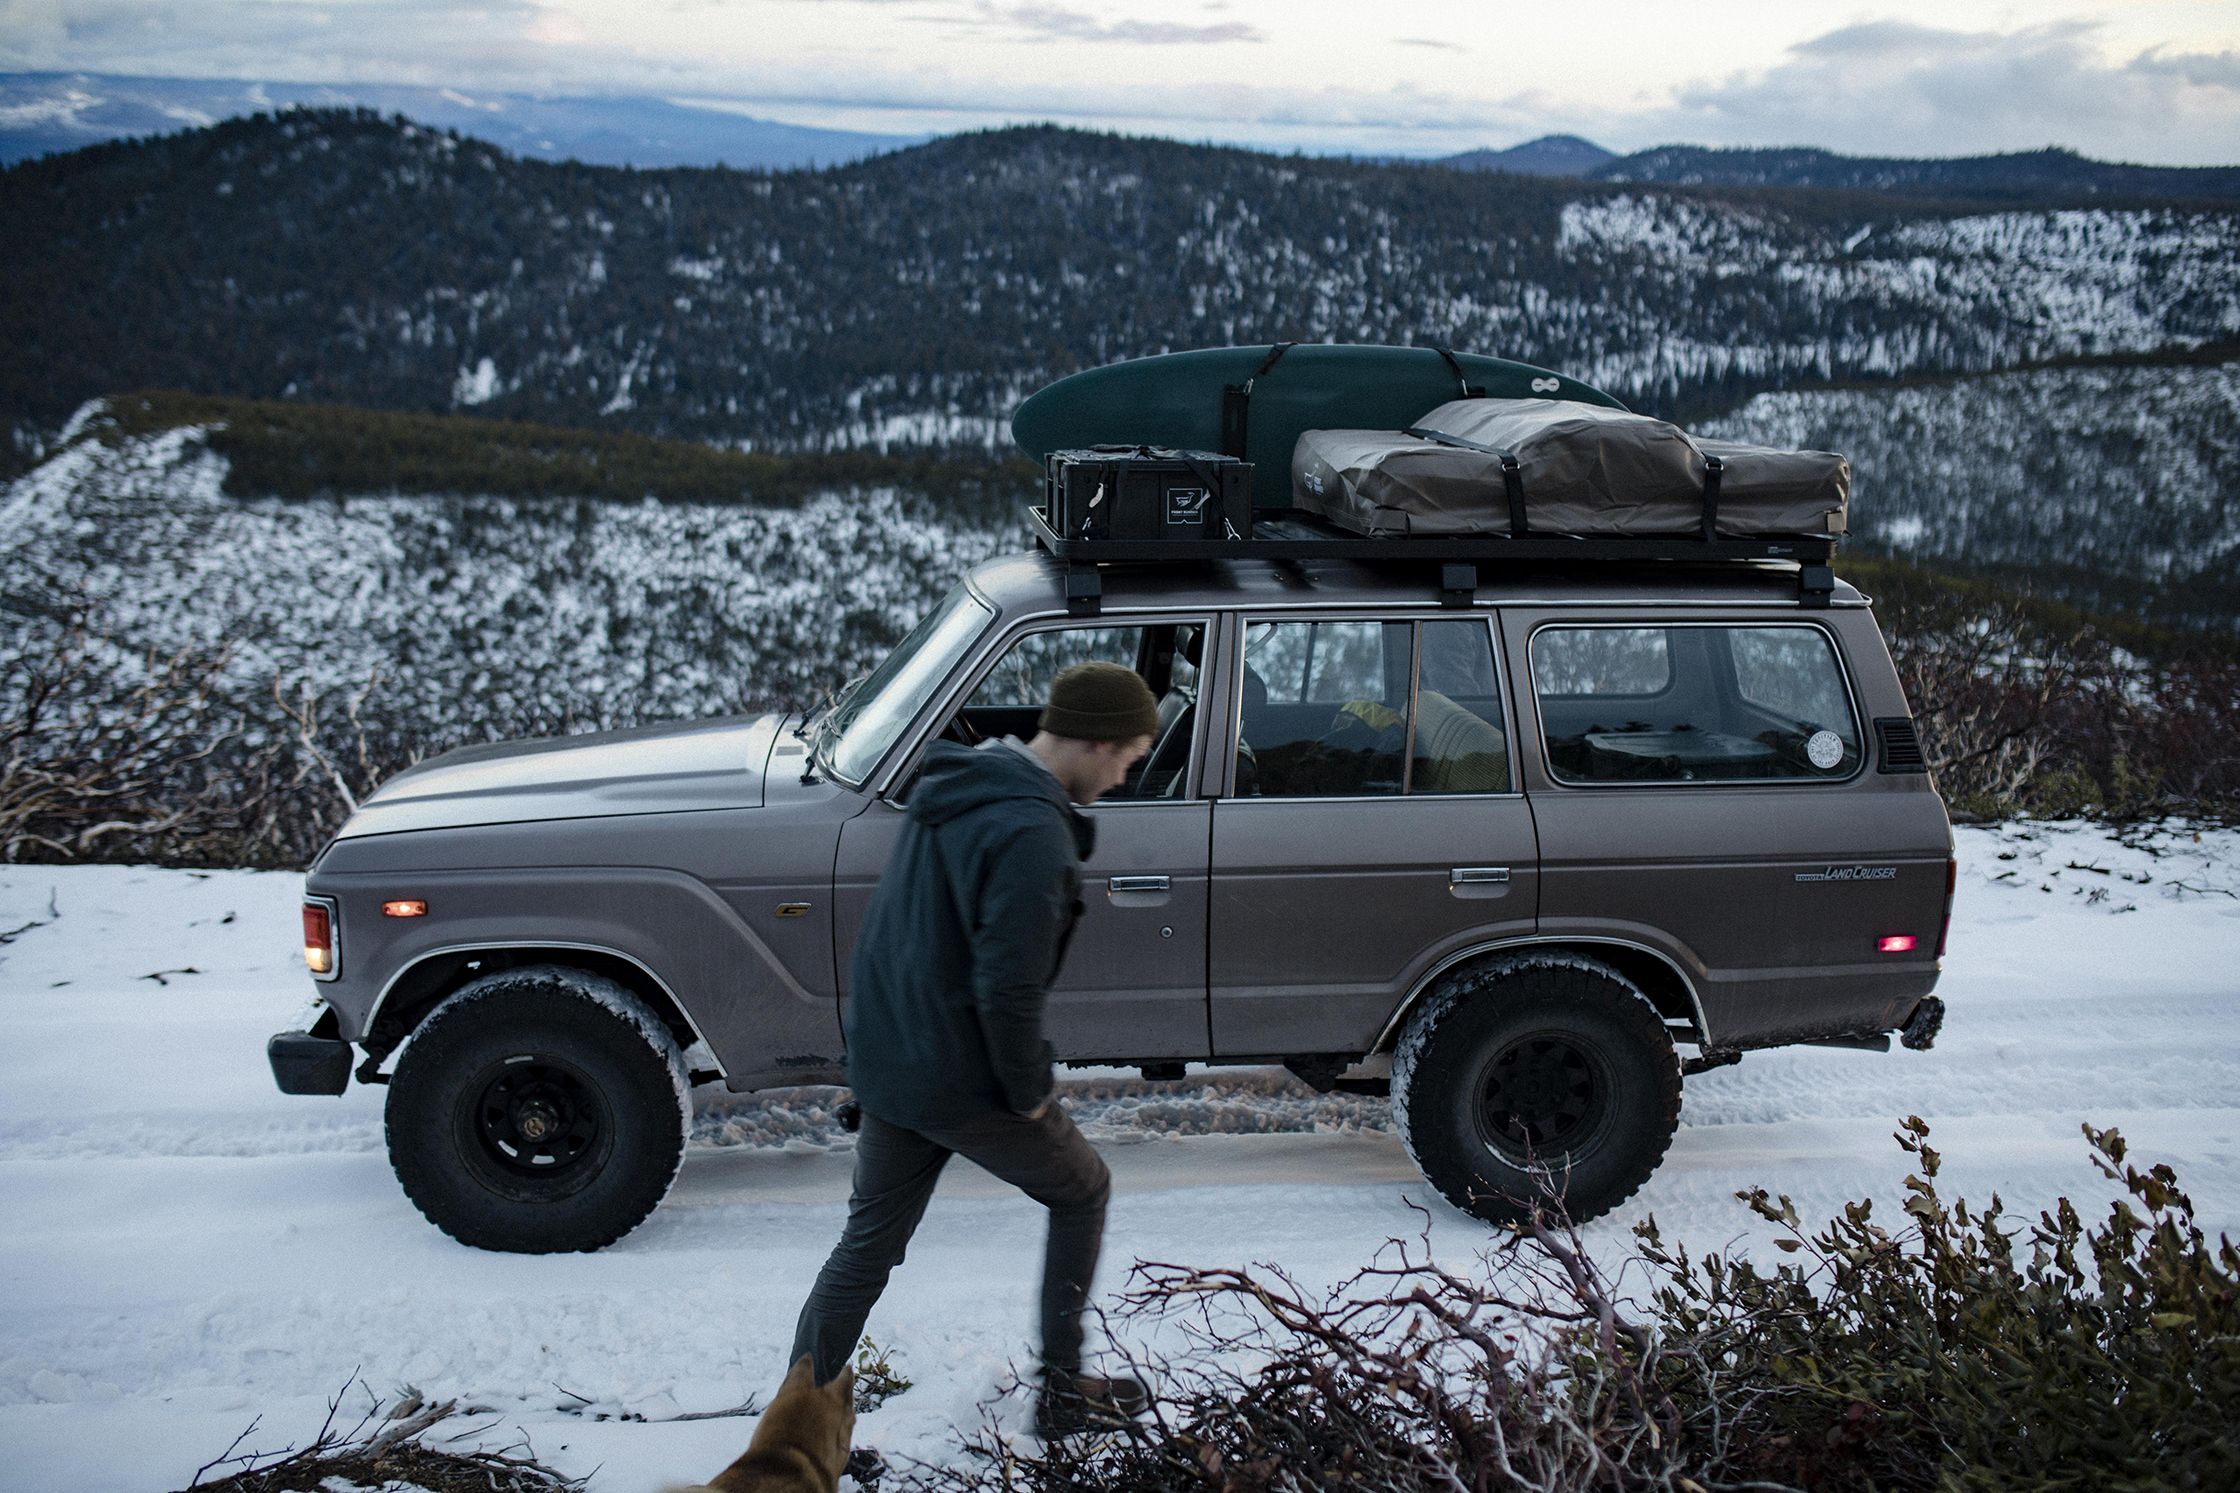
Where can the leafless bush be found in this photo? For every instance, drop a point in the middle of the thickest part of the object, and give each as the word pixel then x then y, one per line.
pixel 1947 1350
pixel 384 1449
pixel 107 754
pixel 2030 708
pixel 1525 1375
pixel 100 752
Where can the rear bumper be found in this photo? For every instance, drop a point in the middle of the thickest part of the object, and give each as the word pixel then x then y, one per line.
pixel 304 1064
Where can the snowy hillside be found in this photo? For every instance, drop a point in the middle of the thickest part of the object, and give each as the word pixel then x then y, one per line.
pixel 917 296
pixel 186 1249
pixel 2132 473
pixel 481 614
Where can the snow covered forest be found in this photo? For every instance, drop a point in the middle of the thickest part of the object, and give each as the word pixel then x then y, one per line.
pixel 916 297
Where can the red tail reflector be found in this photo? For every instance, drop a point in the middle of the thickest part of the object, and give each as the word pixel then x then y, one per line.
pixel 1896 943
pixel 318 938
pixel 405 908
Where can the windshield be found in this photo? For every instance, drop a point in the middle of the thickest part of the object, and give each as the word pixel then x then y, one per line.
pixel 865 721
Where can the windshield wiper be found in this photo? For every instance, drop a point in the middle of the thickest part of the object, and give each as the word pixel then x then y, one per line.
pixel 811 716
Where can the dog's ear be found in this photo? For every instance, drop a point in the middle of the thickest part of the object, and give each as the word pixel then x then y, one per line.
pixel 802 1375
pixel 844 1388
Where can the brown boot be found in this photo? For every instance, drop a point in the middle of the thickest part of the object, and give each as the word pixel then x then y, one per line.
pixel 1072 1401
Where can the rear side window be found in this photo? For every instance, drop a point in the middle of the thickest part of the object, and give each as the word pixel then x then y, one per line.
pixel 1347 708
pixel 1717 703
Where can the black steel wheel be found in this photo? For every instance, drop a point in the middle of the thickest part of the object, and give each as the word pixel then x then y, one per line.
pixel 1545 1094
pixel 538 1110
pixel 1536 1078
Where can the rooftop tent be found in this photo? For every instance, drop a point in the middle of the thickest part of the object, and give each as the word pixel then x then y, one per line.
pixel 1548 466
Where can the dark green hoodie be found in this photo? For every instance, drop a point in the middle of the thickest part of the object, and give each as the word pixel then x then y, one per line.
pixel 962 939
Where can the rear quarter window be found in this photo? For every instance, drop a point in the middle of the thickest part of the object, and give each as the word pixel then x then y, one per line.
pixel 1695 703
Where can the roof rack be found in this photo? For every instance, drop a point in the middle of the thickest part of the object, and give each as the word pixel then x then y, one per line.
pixel 1298 537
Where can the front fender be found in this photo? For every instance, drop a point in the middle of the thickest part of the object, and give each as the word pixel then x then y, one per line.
pixel 757 1018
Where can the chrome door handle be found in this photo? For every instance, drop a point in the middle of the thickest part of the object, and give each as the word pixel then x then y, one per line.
pixel 1478 876
pixel 1139 883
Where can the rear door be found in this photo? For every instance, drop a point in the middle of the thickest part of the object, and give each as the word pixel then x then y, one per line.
pixel 1373 829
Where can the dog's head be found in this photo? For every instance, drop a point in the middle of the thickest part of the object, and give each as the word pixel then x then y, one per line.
pixel 817 1420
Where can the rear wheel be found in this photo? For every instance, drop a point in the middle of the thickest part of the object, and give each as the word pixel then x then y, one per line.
pixel 538 1110
pixel 1536 1076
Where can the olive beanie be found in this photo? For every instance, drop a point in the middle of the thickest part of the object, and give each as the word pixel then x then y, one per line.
pixel 1100 701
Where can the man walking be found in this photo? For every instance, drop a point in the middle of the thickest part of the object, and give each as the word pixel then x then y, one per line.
pixel 944 1021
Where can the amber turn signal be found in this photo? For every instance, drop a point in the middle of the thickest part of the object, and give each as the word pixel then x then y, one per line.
pixel 405 908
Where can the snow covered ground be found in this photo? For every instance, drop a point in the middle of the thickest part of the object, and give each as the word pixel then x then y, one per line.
pixel 182 1249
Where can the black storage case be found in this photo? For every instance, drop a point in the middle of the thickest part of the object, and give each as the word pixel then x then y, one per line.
pixel 1148 493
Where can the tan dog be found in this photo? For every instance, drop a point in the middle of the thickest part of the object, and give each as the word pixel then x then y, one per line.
pixel 802 1442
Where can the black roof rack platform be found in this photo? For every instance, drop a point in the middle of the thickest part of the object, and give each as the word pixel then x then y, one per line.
pixel 1299 537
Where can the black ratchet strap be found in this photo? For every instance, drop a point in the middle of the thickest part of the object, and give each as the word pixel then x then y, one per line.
pixel 1512 475
pixel 1461 379
pixel 1712 468
pixel 1236 402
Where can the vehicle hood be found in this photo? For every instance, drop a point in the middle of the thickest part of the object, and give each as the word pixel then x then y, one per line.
pixel 666 769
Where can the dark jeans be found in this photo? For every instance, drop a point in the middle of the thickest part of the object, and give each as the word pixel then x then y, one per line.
pixel 1047 1159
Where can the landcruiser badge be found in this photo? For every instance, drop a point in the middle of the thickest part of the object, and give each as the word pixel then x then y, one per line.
pixel 1823 749
pixel 1851 873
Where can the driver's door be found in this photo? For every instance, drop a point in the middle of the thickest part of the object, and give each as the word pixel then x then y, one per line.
pixel 1133 986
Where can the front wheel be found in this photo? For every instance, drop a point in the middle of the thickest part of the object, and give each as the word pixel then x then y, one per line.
pixel 1536 1076
pixel 538 1110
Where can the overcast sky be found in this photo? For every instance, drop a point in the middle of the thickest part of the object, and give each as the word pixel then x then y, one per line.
pixel 2156 81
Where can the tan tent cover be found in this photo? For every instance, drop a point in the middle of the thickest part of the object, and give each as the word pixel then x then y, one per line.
pixel 1584 469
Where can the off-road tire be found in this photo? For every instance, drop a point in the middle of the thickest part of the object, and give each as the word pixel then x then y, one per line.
pixel 1554 1045
pixel 538 1111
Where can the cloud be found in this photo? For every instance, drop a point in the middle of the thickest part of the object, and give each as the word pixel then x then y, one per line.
pixel 1429 41
pixel 912 66
pixel 485 43
pixel 1054 23
pixel 1897 88
pixel 2203 69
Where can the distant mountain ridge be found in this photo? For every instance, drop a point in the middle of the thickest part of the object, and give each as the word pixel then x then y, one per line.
pixel 50 113
pixel 2026 176
pixel 914 298
pixel 2035 177
pixel 46 113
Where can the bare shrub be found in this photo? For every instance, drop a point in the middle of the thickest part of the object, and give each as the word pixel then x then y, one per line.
pixel 384 1450
pixel 111 755
pixel 2028 707
pixel 1948 1352
pixel 101 753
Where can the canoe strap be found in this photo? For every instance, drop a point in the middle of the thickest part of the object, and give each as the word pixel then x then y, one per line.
pixel 1712 468
pixel 1512 475
pixel 1461 379
pixel 1236 403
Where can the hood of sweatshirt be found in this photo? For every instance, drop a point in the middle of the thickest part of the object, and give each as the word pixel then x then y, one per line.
pixel 957 780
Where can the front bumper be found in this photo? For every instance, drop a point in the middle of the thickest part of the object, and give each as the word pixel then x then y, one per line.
pixel 304 1064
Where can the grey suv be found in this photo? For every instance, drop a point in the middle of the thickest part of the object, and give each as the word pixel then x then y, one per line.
pixel 1523 857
